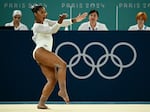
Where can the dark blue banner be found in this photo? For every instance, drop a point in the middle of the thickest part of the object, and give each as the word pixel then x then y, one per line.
pixel 101 66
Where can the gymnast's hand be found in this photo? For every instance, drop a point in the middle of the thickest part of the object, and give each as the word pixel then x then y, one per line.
pixel 80 17
pixel 62 17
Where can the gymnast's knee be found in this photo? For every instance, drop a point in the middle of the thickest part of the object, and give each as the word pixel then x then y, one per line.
pixel 62 65
pixel 52 81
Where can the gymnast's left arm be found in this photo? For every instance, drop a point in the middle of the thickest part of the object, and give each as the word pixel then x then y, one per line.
pixel 67 22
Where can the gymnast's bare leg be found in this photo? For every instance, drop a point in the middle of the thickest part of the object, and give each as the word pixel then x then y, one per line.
pixel 48 62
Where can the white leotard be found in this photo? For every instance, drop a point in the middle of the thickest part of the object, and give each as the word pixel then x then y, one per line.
pixel 42 33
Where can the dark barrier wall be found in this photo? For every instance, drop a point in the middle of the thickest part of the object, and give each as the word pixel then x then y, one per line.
pixel 102 66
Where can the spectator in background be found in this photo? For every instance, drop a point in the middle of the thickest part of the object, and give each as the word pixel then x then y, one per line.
pixel 141 18
pixel 92 24
pixel 17 14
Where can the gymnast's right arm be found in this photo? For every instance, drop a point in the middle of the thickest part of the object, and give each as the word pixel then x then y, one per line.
pixel 46 29
pixel 40 28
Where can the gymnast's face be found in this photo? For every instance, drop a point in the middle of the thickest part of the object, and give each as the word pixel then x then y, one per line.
pixel 40 15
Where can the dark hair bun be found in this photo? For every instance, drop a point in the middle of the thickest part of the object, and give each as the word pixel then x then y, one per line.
pixel 36 7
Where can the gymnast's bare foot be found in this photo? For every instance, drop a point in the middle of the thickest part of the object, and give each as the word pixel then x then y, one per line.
pixel 42 106
pixel 64 95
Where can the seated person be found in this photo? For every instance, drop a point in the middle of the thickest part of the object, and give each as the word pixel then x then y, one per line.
pixel 92 24
pixel 141 18
pixel 16 22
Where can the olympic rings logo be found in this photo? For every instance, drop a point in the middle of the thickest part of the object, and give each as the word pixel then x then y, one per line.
pixel 100 62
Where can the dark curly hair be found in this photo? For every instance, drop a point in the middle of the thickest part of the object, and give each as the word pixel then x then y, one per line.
pixel 36 7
